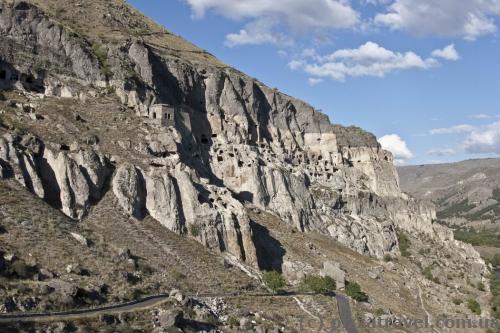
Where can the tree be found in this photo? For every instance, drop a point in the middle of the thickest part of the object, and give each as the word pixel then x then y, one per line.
pixel 354 290
pixel 474 306
pixel 404 244
pixel 273 280
pixel 318 284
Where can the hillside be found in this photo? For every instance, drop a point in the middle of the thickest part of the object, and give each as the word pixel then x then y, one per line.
pixel 132 163
pixel 466 193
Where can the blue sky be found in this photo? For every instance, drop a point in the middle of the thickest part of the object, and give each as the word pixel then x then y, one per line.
pixel 423 76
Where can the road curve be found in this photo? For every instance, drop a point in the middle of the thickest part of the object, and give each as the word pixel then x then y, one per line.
pixel 133 306
pixel 138 305
pixel 152 301
pixel 346 314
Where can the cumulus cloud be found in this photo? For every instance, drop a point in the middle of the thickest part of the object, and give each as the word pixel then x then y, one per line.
pixel 484 139
pixel 397 147
pixel 468 19
pixel 314 81
pixel 478 139
pixel 441 152
pixel 296 15
pixel 447 53
pixel 370 59
pixel 258 32
pixel 453 130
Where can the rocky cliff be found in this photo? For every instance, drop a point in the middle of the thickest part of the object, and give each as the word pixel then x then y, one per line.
pixel 232 142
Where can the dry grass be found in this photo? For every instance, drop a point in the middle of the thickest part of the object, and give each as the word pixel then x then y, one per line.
pixel 115 21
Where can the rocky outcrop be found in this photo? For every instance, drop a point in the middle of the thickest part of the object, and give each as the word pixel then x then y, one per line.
pixel 70 181
pixel 231 142
pixel 128 187
pixel 24 29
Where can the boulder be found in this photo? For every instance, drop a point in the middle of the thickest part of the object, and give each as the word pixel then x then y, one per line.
pixel 170 318
pixel 333 270
pixel 81 239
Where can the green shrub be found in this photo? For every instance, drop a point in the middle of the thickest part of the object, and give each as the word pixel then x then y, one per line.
pixel 474 306
pixel 427 273
pixel 194 230
pixel 387 258
pixel 480 286
pixel 495 261
pixel 273 280
pixel 102 57
pixel 318 284
pixel 354 290
pixel 233 322
pixel 379 312
pixel 404 244
pixel 457 301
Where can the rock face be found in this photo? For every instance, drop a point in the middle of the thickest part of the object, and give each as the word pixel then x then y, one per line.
pixel 69 181
pixel 231 142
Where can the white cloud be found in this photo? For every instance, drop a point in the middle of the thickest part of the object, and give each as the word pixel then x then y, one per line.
pixel 314 81
pixel 370 59
pixel 258 32
pixel 453 130
pixel 441 152
pixel 484 139
pixel 296 15
pixel 447 53
pixel 478 140
pixel 397 147
pixel 483 116
pixel 469 19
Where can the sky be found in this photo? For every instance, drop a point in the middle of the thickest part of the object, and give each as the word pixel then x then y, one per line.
pixel 422 75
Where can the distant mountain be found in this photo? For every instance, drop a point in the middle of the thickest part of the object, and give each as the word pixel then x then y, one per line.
pixel 465 193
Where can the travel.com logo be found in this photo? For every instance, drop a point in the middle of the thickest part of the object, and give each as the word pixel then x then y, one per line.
pixel 334 325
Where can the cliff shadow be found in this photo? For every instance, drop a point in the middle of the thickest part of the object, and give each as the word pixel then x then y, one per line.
pixel 270 252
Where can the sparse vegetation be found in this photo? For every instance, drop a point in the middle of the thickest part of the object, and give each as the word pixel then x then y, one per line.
pixel 424 251
pixel 478 238
pixel 457 301
pixel 102 57
pixel 495 261
pixel 495 291
pixel 233 322
pixel 427 272
pixel 379 312
pixel 404 244
pixel 354 290
pixel 474 306
pixel 194 230
pixel 318 284
pixel 387 258
pixel 456 209
pixel 273 280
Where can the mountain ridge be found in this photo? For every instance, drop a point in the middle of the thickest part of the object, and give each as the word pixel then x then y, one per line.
pixel 150 146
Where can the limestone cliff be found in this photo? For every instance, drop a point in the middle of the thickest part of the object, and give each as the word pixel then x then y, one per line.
pixel 231 143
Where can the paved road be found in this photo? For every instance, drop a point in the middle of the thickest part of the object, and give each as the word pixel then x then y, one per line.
pixel 133 306
pixel 152 301
pixel 346 314
pixel 142 304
